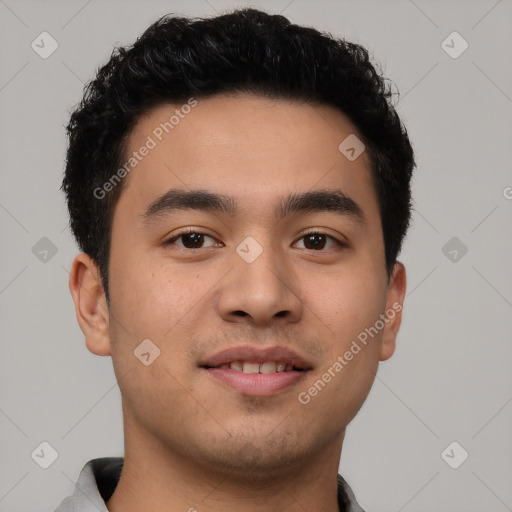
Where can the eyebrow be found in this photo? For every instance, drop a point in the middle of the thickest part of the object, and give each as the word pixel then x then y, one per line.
pixel 325 200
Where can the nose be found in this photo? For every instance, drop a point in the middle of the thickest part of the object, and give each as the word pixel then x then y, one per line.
pixel 261 292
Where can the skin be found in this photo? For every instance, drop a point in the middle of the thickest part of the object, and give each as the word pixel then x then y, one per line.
pixel 191 442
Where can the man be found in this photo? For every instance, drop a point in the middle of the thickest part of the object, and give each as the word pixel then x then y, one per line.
pixel 240 189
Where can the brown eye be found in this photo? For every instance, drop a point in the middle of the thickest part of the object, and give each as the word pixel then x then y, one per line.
pixel 190 240
pixel 317 241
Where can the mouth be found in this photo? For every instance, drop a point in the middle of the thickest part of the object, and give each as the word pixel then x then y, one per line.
pixel 257 372
pixel 265 367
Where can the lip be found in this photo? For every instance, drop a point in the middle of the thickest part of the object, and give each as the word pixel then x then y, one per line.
pixel 256 384
pixel 256 355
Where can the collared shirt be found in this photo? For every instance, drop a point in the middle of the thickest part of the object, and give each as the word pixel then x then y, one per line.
pixel 99 478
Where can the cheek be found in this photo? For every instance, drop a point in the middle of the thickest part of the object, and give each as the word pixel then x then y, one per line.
pixel 350 305
pixel 350 302
pixel 148 298
pixel 150 302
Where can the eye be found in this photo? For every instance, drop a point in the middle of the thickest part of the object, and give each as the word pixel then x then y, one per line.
pixel 191 239
pixel 317 240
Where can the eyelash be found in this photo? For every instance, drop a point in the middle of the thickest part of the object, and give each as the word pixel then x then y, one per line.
pixel 189 231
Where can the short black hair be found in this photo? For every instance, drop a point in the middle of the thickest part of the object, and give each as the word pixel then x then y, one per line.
pixel 245 50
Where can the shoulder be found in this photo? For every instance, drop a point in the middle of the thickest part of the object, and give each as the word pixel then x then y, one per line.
pixel 96 483
pixel 346 496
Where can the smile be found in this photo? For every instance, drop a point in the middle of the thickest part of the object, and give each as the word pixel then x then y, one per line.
pixel 255 367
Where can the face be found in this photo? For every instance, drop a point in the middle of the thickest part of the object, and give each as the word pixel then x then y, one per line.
pixel 296 285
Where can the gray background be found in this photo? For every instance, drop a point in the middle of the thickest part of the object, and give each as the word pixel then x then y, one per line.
pixel 450 378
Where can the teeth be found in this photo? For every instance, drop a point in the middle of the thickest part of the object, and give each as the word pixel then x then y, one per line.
pixel 250 367
pixel 237 365
pixel 269 367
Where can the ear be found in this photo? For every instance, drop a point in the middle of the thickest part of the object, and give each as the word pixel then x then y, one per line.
pixel 394 306
pixel 90 304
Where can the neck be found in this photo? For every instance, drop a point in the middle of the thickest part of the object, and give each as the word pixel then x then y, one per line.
pixel 155 477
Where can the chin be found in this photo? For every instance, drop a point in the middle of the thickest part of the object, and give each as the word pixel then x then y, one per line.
pixel 255 457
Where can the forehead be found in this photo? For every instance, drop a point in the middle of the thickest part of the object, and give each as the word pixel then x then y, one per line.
pixel 245 146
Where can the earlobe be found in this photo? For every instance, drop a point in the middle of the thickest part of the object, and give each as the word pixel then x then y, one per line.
pixel 394 305
pixel 90 304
